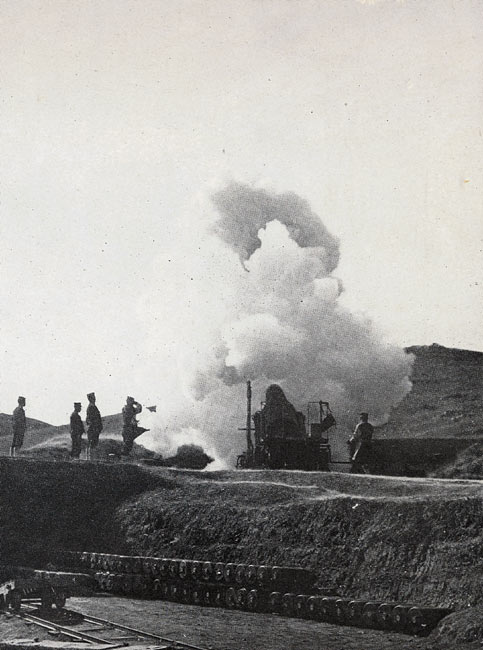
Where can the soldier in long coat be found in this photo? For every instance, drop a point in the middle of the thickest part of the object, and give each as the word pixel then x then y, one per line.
pixel 19 426
pixel 76 430
pixel 130 424
pixel 93 423
pixel 360 445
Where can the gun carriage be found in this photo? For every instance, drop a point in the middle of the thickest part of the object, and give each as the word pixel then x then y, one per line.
pixel 284 438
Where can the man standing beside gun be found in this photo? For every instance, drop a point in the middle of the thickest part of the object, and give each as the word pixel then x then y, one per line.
pixel 360 446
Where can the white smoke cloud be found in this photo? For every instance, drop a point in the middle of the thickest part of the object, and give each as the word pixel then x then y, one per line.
pixel 246 210
pixel 280 322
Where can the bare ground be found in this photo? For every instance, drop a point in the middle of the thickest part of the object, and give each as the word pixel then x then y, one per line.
pixel 413 540
pixel 223 629
pixel 220 629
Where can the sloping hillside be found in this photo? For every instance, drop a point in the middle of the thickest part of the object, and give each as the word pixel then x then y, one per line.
pixel 47 506
pixel 33 425
pixel 446 399
pixel 368 537
pixel 39 434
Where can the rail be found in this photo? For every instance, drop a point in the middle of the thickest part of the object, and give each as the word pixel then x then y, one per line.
pixel 103 631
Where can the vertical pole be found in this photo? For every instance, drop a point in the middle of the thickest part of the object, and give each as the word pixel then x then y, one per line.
pixel 321 407
pixel 249 419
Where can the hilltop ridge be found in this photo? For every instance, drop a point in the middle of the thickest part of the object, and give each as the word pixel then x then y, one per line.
pixel 446 401
pixel 32 424
pixel 39 435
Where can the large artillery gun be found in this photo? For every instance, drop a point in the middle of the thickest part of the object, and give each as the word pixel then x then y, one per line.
pixel 284 438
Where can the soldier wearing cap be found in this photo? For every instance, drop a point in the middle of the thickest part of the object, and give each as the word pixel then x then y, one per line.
pixel 129 424
pixel 19 425
pixel 360 445
pixel 76 430
pixel 93 423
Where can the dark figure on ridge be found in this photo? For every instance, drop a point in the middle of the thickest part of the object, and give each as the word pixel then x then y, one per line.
pixel 19 426
pixel 93 423
pixel 76 430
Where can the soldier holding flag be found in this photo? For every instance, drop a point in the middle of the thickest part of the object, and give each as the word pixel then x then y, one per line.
pixel 130 424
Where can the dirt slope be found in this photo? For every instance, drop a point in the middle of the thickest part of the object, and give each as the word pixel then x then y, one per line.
pixel 46 506
pixel 446 398
pixel 468 464
pixel 373 537
pixel 108 449
pixel 369 537
pixel 32 424
pixel 39 432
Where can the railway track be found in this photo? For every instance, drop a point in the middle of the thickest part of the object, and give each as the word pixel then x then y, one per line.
pixel 91 629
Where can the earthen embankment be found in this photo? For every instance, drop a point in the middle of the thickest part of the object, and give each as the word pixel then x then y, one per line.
pixel 370 537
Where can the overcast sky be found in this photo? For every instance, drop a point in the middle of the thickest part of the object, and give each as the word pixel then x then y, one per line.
pixel 119 117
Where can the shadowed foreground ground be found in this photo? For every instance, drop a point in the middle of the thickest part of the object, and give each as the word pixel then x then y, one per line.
pixel 416 540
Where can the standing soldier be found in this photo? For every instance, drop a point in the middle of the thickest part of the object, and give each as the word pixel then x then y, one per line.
pixel 360 445
pixel 94 424
pixel 129 424
pixel 76 430
pixel 19 425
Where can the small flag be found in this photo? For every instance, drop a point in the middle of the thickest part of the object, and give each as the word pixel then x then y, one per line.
pixel 151 408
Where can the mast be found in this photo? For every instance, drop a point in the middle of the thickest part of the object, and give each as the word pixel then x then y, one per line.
pixel 249 419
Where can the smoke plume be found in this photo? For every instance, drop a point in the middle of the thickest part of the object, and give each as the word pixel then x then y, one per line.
pixel 244 211
pixel 280 323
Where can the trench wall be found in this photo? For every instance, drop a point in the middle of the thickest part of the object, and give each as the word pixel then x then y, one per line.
pixel 46 505
pixel 426 551
pixel 370 537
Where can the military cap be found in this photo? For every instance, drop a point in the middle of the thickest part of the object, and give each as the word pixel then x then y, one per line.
pixel 77 404
pixel 21 398
pixel 130 399
pixel 90 395
pixel 364 414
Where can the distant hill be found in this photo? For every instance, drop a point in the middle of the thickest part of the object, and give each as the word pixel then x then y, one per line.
pixel 41 432
pixel 446 399
pixel 6 424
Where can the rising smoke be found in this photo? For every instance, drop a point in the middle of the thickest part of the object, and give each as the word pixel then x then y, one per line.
pixel 279 323
pixel 244 211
